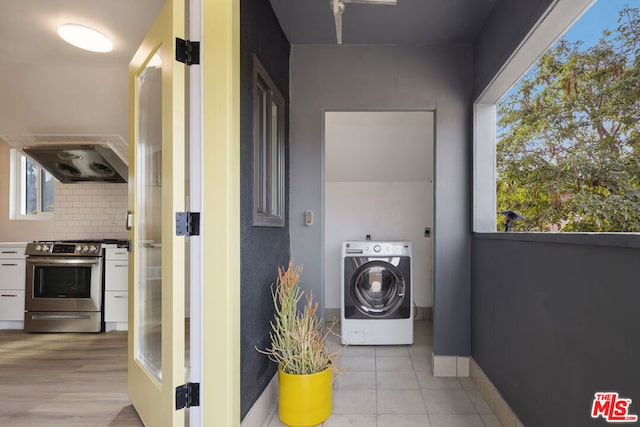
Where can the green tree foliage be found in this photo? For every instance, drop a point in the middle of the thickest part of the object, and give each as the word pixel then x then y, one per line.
pixel 568 152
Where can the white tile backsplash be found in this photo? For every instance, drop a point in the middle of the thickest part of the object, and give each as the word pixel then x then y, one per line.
pixel 90 211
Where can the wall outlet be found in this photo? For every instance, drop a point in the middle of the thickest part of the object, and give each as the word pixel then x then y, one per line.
pixel 114 219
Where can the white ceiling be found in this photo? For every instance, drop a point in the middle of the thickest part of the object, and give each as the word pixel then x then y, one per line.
pixel 50 87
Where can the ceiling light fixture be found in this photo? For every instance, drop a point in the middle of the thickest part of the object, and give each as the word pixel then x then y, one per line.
pixel 85 38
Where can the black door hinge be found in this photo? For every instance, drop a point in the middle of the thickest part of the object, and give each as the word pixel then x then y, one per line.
pixel 187 52
pixel 187 223
pixel 187 395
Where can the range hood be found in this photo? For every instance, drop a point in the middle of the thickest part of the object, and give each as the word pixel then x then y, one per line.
pixel 79 162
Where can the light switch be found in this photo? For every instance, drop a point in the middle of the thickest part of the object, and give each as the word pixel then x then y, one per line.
pixel 308 218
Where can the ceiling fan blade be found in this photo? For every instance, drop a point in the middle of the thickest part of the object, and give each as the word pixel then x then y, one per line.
pixel 338 19
pixel 338 9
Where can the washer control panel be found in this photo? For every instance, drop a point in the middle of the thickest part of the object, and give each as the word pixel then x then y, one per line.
pixel 376 248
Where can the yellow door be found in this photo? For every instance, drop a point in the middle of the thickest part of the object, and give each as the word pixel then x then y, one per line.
pixel 156 193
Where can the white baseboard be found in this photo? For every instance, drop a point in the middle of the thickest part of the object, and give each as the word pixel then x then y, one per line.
pixel 422 313
pixel 264 407
pixel 331 314
pixel 116 326
pixel 449 366
pixel 494 399
pixel 11 324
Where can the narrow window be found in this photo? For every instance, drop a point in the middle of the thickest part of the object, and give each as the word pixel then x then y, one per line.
pixel 31 188
pixel 268 146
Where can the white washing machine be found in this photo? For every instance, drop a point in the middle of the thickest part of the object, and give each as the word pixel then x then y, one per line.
pixel 377 294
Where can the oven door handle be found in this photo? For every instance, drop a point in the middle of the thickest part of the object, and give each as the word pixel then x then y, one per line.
pixel 62 261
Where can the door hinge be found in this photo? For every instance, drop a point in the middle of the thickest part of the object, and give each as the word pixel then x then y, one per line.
pixel 187 223
pixel 187 51
pixel 187 395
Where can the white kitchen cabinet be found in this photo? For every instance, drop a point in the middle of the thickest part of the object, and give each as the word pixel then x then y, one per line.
pixel 12 285
pixel 116 289
pixel 116 306
pixel 11 308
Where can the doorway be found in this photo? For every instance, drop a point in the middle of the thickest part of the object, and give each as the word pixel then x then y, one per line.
pixel 378 182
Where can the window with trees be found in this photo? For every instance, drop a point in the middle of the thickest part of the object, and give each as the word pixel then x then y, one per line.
pixel 568 136
pixel 31 189
pixel 268 146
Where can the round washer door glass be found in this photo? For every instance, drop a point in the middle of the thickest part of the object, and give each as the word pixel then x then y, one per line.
pixel 377 288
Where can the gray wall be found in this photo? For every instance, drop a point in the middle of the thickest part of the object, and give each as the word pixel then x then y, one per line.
pixel 555 319
pixel 505 28
pixel 334 78
pixel 263 249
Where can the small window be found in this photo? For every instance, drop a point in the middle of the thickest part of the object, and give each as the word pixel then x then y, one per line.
pixel 31 189
pixel 268 146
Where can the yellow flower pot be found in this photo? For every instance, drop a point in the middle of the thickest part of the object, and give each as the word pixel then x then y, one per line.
pixel 305 400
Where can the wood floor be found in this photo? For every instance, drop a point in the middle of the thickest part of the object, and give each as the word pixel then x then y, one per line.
pixel 65 380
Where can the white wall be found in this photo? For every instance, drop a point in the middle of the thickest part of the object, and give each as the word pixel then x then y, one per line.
pixel 389 78
pixel 379 181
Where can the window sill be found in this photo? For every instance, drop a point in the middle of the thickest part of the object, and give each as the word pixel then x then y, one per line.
pixel 622 240
pixel 38 217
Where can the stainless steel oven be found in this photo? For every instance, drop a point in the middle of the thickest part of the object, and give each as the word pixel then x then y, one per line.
pixel 63 287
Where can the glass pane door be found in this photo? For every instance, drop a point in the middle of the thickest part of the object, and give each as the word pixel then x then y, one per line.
pixel 148 249
pixel 156 184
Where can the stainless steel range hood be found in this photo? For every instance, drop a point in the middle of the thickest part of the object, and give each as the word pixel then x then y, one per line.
pixel 79 162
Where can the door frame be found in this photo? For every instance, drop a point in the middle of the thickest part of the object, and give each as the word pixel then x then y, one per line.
pixel 220 68
pixel 215 174
pixel 332 312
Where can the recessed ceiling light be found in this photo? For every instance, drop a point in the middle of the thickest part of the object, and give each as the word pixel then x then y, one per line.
pixel 85 38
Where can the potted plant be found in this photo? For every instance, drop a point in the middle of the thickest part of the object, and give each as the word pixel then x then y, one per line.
pixel 299 347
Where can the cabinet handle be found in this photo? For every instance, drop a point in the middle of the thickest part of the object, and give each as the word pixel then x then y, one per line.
pixel 59 316
pixel 10 295
pixel 9 265
pixel 129 221
pixel 121 265
pixel 9 252
pixel 119 296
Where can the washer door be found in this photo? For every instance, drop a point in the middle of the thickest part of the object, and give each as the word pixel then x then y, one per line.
pixel 377 288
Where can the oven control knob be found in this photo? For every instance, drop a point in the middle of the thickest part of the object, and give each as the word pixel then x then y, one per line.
pixel 92 248
pixel 45 247
pixel 85 249
pixel 38 247
pixel 376 248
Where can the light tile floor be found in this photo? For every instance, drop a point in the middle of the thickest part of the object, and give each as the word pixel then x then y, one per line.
pixel 393 386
